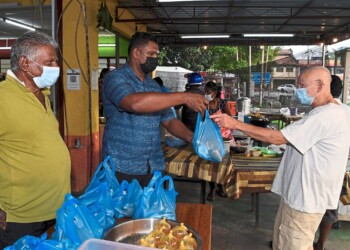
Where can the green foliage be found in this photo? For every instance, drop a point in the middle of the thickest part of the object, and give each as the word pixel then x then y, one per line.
pixel 221 59
pixel 193 58
pixel 104 19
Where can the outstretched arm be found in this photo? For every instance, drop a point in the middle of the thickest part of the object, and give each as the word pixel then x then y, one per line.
pixel 153 101
pixel 261 134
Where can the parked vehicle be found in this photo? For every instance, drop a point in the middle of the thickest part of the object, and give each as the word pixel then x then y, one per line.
pixel 287 88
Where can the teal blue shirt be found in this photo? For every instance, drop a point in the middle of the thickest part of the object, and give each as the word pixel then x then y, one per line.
pixel 132 139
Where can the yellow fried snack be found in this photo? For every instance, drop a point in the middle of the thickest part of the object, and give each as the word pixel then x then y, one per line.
pixel 165 237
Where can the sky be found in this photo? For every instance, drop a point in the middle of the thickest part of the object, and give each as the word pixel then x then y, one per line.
pixel 299 48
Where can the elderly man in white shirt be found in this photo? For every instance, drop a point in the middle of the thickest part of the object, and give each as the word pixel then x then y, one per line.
pixel 331 216
pixel 311 171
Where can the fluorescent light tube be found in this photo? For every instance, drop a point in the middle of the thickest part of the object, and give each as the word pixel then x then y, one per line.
pixel 204 36
pixel 169 1
pixel 22 25
pixel 106 45
pixel 5 48
pixel 268 35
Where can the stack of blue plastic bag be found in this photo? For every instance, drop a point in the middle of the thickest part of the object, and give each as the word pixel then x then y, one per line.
pixel 104 200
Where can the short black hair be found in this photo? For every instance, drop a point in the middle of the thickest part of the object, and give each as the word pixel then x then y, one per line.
pixel 336 86
pixel 140 39
pixel 159 80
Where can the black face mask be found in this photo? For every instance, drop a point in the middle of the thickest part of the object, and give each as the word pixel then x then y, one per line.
pixel 150 65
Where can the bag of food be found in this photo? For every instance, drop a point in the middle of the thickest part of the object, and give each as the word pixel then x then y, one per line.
pixel 75 223
pixel 128 197
pixel 105 172
pixel 157 201
pixel 207 141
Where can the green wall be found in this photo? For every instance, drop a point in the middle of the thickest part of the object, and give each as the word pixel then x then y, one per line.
pixel 110 50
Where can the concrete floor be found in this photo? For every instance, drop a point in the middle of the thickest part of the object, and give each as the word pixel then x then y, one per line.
pixel 233 225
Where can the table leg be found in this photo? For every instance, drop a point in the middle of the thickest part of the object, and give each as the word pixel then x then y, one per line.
pixel 257 210
pixel 252 200
pixel 203 192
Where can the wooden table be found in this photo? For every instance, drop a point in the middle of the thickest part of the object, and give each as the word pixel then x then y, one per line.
pixel 288 119
pixel 198 217
pixel 184 165
pixel 251 175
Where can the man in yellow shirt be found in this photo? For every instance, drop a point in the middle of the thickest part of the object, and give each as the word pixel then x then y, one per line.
pixel 34 160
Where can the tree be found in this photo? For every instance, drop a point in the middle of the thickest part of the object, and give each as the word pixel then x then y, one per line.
pixel 193 58
pixel 216 59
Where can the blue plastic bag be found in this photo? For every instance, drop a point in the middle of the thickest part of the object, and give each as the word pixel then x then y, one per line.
pixel 157 201
pixel 75 223
pixel 207 140
pixel 31 242
pixel 128 197
pixel 100 204
pixel 105 172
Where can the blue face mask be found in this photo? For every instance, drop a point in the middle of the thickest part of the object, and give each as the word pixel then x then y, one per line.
pixel 48 77
pixel 303 97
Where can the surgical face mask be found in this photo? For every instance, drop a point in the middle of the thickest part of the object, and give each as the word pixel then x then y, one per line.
pixel 150 64
pixel 303 97
pixel 209 97
pixel 48 77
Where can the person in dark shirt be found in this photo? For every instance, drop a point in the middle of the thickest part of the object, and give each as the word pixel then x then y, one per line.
pixel 189 116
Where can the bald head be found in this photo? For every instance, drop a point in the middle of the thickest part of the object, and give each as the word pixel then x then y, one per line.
pixel 317 80
pixel 319 73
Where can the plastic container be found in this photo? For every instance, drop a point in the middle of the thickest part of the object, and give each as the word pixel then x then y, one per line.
pixel 243 105
pixel 97 244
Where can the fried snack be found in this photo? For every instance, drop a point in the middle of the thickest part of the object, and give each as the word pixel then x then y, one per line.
pixel 162 226
pixel 190 241
pixel 180 231
pixel 165 237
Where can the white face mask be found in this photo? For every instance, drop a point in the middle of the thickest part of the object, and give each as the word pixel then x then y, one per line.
pixel 48 77
pixel 209 97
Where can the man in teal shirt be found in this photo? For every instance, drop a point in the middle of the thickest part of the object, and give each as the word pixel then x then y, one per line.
pixel 135 108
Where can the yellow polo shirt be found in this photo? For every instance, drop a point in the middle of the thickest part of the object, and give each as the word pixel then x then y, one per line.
pixel 34 160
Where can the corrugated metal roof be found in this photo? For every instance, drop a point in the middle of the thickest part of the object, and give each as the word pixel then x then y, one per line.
pixel 312 22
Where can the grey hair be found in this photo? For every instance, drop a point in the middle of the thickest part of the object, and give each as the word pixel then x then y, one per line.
pixel 28 45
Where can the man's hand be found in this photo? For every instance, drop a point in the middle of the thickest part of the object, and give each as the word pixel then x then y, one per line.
pixel 196 102
pixel 224 121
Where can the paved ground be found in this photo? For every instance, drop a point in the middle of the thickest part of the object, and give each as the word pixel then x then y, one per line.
pixel 233 221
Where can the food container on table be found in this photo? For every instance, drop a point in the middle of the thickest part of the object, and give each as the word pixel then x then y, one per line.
pixel 243 105
pixel 260 121
pixel 97 244
pixel 132 231
pixel 237 149
pixel 255 152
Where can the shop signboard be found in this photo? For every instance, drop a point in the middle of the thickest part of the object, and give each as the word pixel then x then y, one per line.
pixel 256 77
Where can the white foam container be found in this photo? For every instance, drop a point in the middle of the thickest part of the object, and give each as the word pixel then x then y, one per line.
pixel 97 244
